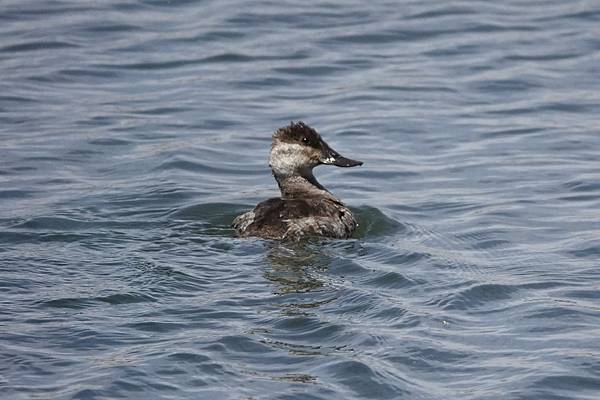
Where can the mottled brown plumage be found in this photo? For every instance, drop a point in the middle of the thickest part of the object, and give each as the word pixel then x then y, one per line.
pixel 305 207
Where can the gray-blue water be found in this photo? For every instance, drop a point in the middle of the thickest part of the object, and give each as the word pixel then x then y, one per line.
pixel 132 132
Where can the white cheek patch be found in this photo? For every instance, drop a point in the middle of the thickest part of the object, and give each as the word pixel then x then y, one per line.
pixel 287 158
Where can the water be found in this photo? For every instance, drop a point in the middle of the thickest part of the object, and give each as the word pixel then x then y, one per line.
pixel 132 132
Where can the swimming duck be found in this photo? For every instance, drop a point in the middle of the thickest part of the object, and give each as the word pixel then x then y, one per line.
pixel 305 207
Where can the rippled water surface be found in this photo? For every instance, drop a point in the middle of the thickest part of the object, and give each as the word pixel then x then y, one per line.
pixel 132 132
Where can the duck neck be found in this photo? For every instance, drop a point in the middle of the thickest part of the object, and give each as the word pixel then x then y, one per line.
pixel 301 185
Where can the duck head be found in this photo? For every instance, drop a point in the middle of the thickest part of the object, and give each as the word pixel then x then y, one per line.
pixel 298 148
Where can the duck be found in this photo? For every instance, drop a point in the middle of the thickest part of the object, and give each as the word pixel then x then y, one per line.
pixel 305 208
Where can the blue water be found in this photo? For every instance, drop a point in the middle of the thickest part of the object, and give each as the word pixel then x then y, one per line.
pixel 132 132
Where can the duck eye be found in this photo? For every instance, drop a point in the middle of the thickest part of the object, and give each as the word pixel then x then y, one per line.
pixel 305 140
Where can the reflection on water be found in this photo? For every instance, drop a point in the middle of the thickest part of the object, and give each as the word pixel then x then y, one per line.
pixel 293 267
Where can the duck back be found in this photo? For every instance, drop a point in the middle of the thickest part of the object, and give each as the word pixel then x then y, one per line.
pixel 294 219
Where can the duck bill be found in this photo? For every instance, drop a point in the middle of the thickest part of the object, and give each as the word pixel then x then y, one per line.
pixel 332 157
